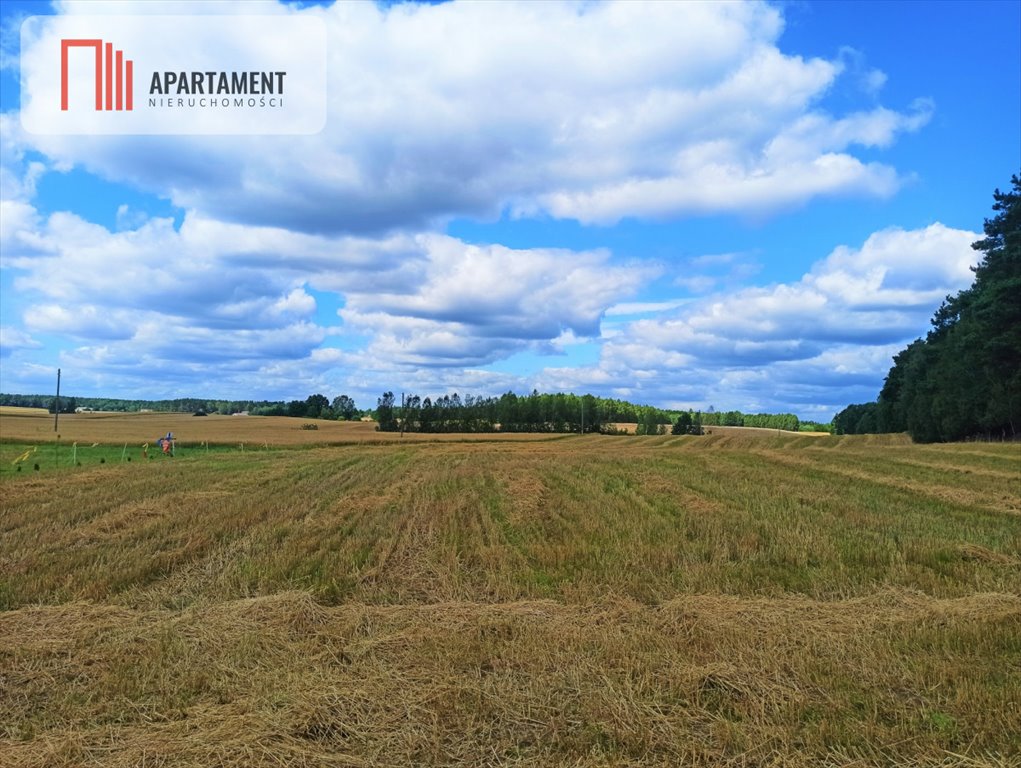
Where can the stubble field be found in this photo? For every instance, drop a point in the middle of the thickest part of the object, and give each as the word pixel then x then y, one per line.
pixel 736 599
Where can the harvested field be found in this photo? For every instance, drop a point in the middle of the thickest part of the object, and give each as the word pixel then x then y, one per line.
pixel 739 599
pixel 34 426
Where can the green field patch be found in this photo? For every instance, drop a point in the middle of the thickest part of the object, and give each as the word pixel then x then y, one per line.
pixel 20 460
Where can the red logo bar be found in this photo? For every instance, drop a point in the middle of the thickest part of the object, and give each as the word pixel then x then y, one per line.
pixel 116 66
pixel 109 76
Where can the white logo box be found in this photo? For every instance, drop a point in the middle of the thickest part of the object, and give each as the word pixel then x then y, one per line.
pixel 183 75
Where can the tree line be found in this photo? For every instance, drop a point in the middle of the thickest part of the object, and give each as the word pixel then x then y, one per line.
pixel 963 379
pixel 557 412
pixel 785 421
pixel 512 413
pixel 313 407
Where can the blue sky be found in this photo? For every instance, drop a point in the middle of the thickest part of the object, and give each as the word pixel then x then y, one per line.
pixel 743 205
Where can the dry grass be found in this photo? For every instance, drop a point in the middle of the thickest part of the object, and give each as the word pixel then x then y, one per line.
pixel 744 599
pixel 701 680
pixel 17 410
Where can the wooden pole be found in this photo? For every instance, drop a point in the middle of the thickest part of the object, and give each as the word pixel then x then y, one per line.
pixel 56 404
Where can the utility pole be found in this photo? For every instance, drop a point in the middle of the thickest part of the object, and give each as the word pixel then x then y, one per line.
pixel 56 404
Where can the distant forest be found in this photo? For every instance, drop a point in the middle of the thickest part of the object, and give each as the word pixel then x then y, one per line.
pixel 963 380
pixel 512 413
pixel 555 413
pixel 452 413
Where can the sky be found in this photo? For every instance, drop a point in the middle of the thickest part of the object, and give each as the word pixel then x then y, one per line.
pixel 747 206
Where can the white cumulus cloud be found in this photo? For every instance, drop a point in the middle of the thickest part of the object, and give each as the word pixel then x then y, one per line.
pixel 586 111
pixel 814 342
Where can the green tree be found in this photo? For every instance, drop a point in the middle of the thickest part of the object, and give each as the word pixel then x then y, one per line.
pixel 315 405
pixel 683 424
pixel 591 414
pixel 995 311
pixel 344 408
pixel 696 424
pixel 651 422
pixel 964 378
pixel 385 413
